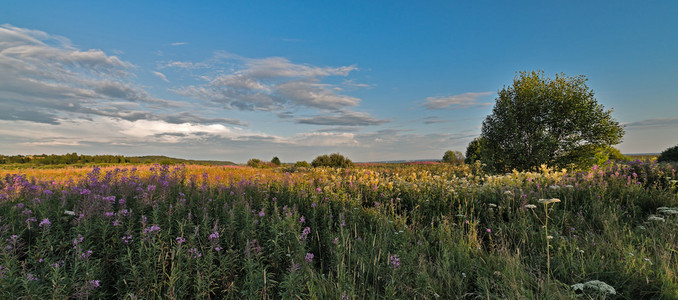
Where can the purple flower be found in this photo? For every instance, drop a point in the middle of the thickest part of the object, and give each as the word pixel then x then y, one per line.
pixel 45 222
pixel 309 257
pixel 488 230
pixel 109 214
pixel 313 205
pixel 394 261
pixel 31 277
pixel 93 284
pixel 335 241
pixel 127 239
pixel 214 236
pixel 262 213
pixel 86 255
pixel 153 228
pixel 302 219
pixel 180 240
pixel 195 253
pixel 294 266
pixel 305 233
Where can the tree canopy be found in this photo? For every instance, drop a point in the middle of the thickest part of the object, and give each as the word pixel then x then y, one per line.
pixel 539 120
pixel 453 157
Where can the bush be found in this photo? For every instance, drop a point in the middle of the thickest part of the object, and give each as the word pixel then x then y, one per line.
pixel 254 162
pixel 453 157
pixel 302 164
pixel 670 154
pixel 334 160
pixel 276 161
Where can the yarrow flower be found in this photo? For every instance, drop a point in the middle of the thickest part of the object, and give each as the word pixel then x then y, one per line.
pixel 597 285
pixel 548 201
pixel 531 206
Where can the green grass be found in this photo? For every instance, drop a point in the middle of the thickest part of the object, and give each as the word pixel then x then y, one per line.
pixel 374 232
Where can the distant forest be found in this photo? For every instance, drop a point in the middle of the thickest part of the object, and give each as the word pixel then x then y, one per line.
pixel 79 159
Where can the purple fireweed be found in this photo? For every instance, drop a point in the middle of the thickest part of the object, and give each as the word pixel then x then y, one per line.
pixel 195 253
pixel 305 233
pixel 93 284
pixel 45 223
pixel 394 261
pixel 85 255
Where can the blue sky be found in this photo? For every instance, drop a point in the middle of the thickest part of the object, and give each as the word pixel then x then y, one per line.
pixel 374 80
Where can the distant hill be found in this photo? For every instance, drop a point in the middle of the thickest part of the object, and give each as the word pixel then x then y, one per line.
pixel 160 159
pixel 76 159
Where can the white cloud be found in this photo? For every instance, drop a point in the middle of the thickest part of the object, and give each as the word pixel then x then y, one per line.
pixel 457 101
pixel 161 76
pixel 179 44
pixel 268 84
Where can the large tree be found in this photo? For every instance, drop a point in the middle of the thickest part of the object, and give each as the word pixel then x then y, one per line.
pixel 539 120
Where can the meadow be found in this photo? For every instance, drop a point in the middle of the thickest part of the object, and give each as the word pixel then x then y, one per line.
pixel 424 231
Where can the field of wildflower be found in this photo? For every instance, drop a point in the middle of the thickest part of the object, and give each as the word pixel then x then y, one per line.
pixel 421 231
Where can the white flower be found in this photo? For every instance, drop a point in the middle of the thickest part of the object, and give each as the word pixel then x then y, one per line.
pixel 554 187
pixel 492 205
pixel 530 206
pixel 569 186
pixel 597 285
pixel 547 201
pixel 69 213
pixel 655 218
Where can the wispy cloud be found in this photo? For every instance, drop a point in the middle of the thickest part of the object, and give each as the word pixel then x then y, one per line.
pixel 465 100
pixel 342 119
pixel 43 78
pixel 161 76
pixel 179 44
pixel 653 123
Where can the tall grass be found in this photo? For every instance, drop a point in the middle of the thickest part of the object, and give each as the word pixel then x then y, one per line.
pixel 371 232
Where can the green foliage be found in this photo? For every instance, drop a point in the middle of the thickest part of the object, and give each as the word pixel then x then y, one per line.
pixel 669 155
pixel 254 162
pixel 302 164
pixel 474 150
pixel 453 157
pixel 276 161
pixel 334 160
pixel 539 120
pixel 604 154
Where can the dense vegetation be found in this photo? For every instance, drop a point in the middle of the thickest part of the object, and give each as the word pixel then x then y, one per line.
pixel 385 231
pixel 539 120
pixel 334 160
pixel 670 154
pixel 80 159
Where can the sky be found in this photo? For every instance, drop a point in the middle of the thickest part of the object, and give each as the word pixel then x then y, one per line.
pixel 373 80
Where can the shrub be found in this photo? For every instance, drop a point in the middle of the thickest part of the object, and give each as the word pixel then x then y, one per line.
pixel 453 157
pixel 302 164
pixel 254 162
pixel 670 154
pixel 276 161
pixel 334 160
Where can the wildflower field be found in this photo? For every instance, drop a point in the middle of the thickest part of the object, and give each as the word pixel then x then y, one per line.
pixel 422 231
